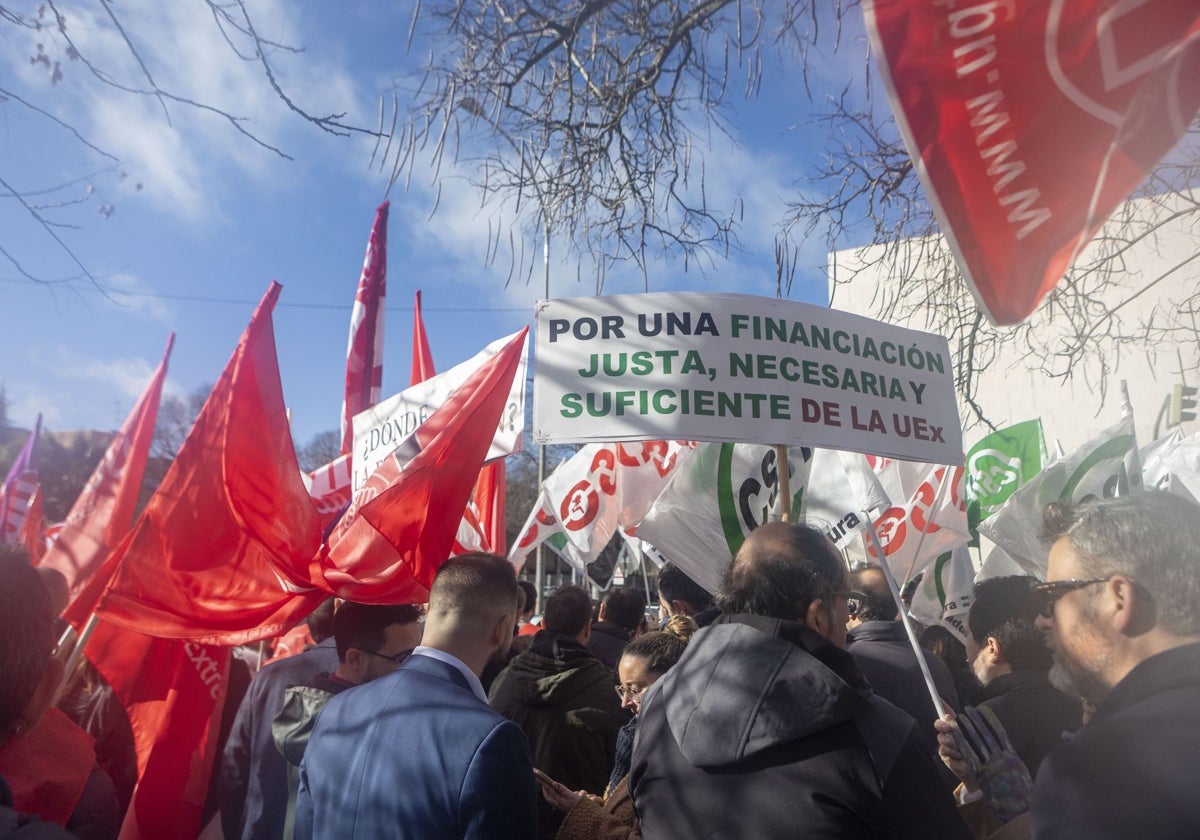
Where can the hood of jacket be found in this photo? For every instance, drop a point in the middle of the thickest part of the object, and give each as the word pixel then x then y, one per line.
pixel 760 682
pixel 554 671
pixel 294 724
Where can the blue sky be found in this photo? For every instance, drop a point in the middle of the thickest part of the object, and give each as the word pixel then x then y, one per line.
pixel 202 219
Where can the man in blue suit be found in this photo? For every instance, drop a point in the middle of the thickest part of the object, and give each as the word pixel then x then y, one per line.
pixel 419 753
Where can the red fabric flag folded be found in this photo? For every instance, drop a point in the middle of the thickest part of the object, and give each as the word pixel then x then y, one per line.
pixel 422 357
pixel 1029 123
pixel 401 526
pixel 33 529
pixel 488 498
pixel 221 553
pixel 174 693
pixel 364 353
pixel 103 513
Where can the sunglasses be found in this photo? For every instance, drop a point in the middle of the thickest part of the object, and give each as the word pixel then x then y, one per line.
pixel 399 658
pixel 1051 591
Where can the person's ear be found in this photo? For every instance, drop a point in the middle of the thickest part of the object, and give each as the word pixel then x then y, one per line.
pixel 994 651
pixel 819 617
pixel 1128 611
pixel 502 630
pixel 681 608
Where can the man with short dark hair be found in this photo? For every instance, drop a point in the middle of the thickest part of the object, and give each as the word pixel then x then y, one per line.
pixel 419 754
pixel 1011 661
pixel 253 788
pixel 372 641
pixel 766 728
pixel 562 696
pixel 678 594
pixel 879 644
pixel 1121 613
pixel 622 614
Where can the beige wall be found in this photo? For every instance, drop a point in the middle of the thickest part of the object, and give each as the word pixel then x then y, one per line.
pixel 1010 390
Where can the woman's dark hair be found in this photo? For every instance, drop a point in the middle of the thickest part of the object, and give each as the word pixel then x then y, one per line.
pixel 26 634
pixel 660 649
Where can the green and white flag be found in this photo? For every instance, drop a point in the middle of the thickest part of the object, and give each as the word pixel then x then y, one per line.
pixel 944 596
pixel 722 493
pixel 1105 466
pixel 1001 462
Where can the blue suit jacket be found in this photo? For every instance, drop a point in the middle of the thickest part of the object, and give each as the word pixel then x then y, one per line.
pixel 416 755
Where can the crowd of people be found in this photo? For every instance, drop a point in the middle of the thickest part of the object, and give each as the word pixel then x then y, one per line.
pixel 790 705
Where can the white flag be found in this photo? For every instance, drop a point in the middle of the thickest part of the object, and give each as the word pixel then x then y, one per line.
pixel 1103 467
pixel 944 596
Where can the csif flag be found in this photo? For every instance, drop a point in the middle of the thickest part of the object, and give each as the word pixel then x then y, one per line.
pixel 221 552
pixel 103 513
pixel 1029 123
pixel 1001 462
pixel 1105 466
pixel 401 526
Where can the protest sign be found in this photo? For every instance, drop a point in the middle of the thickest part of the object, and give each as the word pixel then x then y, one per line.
pixel 381 428
pixel 743 369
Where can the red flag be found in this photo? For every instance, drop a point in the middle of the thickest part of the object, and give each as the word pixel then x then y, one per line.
pixel 1030 123
pixel 364 354
pixel 221 553
pixel 103 513
pixel 488 500
pixel 401 525
pixel 33 531
pixel 173 692
pixel 20 486
pixel 422 357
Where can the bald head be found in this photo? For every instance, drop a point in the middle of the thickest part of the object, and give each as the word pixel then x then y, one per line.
pixel 780 569
pixel 879 605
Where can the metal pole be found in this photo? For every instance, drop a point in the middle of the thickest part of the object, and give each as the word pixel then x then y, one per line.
pixel 540 562
pixel 908 628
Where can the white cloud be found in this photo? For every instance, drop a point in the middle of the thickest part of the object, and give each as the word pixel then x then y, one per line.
pixel 186 157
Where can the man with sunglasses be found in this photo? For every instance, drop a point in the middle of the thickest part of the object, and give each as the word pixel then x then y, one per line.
pixel 1121 614
pixel 372 641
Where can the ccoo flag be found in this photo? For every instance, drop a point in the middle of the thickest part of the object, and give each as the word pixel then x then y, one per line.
pixel 1028 123
pixel 103 513
pixel 221 553
pixel 401 525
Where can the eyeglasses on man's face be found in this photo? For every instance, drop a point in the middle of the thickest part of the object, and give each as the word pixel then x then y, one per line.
pixel 854 600
pixel 398 658
pixel 628 692
pixel 1052 590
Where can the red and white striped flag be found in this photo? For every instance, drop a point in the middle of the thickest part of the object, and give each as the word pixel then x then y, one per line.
pixel 364 353
pixel 20 485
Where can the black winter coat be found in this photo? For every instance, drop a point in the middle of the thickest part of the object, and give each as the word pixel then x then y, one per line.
pixel 1034 713
pixel 1131 772
pixel 766 729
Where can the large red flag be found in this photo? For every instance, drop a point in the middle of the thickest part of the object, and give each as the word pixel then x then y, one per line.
pixel 221 553
pixel 485 513
pixel 1029 123
pixel 173 692
pixel 422 357
pixel 19 488
pixel 364 353
pixel 103 513
pixel 401 525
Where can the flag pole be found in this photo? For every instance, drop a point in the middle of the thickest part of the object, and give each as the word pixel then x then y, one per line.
pixel 73 659
pixel 938 705
pixel 785 483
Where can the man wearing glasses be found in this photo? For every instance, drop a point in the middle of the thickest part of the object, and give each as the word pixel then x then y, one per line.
pixel 1121 614
pixel 372 641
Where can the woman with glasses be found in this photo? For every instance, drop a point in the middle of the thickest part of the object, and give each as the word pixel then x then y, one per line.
pixel 644 661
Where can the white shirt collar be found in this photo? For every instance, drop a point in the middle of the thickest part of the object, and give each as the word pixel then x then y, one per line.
pixel 454 662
